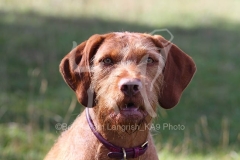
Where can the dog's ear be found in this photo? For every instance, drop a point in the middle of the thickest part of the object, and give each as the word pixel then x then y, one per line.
pixel 178 72
pixel 75 69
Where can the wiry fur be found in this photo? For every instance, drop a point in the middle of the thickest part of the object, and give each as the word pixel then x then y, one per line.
pixel 129 53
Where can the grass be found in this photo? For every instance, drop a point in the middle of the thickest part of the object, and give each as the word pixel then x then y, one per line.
pixel 35 35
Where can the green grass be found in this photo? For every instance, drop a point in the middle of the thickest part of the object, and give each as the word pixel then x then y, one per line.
pixel 35 35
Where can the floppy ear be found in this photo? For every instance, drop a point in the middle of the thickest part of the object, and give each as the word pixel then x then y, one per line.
pixel 178 72
pixel 75 69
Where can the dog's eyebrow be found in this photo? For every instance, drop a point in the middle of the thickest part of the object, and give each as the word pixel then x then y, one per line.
pixel 114 54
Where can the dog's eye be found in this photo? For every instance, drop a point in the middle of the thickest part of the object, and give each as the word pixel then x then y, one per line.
pixel 150 60
pixel 107 61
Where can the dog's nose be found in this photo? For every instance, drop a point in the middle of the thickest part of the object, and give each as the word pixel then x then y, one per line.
pixel 130 87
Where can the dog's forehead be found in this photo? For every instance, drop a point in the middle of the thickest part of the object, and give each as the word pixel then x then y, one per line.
pixel 129 38
pixel 125 43
pixel 129 35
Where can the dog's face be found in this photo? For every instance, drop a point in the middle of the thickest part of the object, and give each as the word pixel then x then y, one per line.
pixel 126 75
pixel 123 69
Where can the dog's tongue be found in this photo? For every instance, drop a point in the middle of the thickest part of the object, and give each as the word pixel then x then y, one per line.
pixel 130 109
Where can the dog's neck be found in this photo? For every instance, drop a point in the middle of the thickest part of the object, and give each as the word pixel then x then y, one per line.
pixel 118 142
pixel 119 137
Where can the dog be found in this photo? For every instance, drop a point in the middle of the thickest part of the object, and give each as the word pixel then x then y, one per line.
pixel 120 78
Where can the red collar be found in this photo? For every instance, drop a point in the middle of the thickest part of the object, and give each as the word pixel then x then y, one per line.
pixel 115 151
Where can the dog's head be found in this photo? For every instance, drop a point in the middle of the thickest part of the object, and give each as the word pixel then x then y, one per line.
pixel 126 75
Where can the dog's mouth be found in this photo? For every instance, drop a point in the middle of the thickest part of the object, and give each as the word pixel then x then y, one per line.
pixel 129 107
pixel 128 113
pixel 131 110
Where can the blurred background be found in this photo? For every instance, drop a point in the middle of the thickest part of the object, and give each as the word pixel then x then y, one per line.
pixel 35 36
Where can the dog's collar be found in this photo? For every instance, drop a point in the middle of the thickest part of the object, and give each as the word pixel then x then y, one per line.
pixel 115 151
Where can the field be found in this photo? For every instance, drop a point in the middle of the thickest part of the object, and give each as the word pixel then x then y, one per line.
pixel 35 36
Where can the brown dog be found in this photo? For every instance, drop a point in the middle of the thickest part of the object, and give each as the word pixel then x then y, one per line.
pixel 121 78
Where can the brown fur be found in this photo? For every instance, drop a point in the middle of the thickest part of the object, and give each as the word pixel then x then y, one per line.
pixel 97 85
